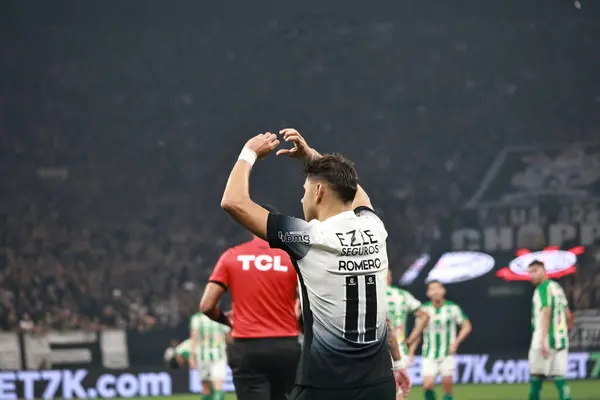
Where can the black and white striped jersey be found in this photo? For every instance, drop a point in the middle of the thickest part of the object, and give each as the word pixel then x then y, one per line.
pixel 342 272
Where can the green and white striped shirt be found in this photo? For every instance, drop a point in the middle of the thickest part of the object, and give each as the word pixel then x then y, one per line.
pixel 211 338
pixel 400 304
pixel 550 294
pixel 442 328
pixel 183 348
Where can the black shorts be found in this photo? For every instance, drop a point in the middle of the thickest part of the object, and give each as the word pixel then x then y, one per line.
pixel 263 369
pixel 380 391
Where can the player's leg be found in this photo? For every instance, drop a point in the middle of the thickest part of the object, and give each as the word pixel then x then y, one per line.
pixel 218 370
pixel 204 374
pixel 447 367
pixel 206 389
pixel 558 371
pixel 429 371
pixel 249 383
pixel 538 369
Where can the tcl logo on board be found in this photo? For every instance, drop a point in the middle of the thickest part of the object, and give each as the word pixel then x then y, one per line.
pixel 558 263
pixel 262 262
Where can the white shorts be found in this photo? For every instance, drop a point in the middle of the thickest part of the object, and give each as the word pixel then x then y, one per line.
pixel 444 366
pixel 212 371
pixel 554 365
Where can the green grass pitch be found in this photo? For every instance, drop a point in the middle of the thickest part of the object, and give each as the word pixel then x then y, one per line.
pixel 581 390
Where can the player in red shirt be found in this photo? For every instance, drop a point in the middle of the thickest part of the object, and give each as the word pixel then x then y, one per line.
pixel 265 351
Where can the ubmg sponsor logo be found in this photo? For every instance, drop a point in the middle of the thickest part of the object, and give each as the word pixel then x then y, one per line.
pixel 294 237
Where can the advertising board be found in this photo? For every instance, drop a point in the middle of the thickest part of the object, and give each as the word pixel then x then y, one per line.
pixel 108 384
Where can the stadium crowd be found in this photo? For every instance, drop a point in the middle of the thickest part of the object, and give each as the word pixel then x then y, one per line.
pixel 115 143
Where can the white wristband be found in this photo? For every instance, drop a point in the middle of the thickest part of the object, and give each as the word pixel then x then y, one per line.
pixel 400 364
pixel 248 155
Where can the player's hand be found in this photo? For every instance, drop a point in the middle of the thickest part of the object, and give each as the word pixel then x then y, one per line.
pixel 403 383
pixel 192 361
pixel 411 358
pixel 453 348
pixel 545 351
pixel 301 149
pixel 263 144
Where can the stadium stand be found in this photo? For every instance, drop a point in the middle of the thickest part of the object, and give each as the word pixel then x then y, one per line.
pixel 116 142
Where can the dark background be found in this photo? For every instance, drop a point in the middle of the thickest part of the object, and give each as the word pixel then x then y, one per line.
pixel 119 122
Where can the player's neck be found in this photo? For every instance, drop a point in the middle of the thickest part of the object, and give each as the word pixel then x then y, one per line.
pixel 332 210
pixel 439 303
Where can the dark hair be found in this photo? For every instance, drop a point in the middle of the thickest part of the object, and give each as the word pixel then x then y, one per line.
pixel 537 263
pixel 336 170
pixel 435 281
pixel 269 208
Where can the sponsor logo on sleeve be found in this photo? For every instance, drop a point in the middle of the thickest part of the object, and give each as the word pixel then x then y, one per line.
pixel 294 237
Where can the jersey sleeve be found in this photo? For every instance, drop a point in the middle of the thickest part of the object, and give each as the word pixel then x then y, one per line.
pixel 459 315
pixel 289 234
pixel 364 211
pixel 412 303
pixel 220 274
pixel 195 323
pixel 368 213
pixel 543 293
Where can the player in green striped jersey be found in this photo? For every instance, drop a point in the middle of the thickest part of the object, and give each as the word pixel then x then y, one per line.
pixel 182 352
pixel 208 354
pixel 400 304
pixel 551 321
pixel 441 339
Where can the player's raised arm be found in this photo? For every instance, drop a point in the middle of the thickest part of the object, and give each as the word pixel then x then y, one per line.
pixel 362 199
pixel 236 198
